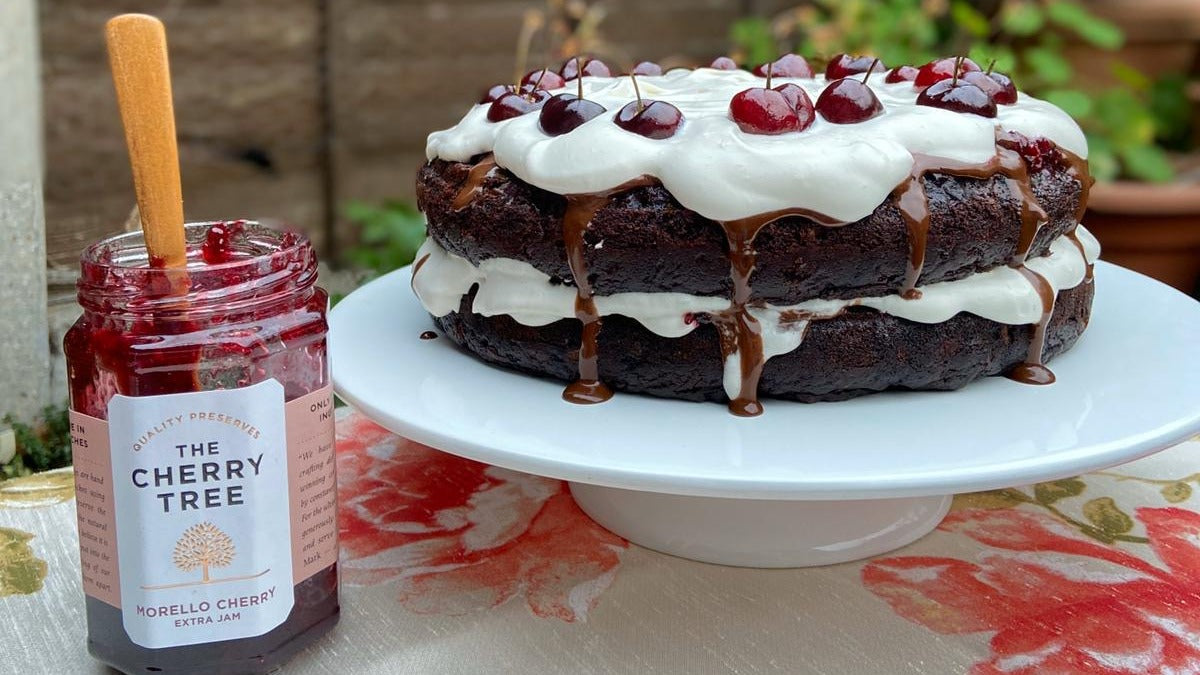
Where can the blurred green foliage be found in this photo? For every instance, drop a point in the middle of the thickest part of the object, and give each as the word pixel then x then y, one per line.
pixel 1129 126
pixel 389 235
pixel 42 444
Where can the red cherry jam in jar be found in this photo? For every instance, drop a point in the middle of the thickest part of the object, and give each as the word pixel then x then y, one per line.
pixel 202 423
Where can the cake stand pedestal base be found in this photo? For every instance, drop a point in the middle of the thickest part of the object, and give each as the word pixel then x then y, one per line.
pixel 761 533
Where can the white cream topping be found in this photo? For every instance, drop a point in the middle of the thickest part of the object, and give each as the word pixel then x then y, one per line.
pixel 723 173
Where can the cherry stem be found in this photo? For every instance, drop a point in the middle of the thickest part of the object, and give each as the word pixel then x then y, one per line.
pixel 870 70
pixel 579 76
pixel 637 92
pixel 957 65
pixel 536 85
pixel 990 66
pixel 769 65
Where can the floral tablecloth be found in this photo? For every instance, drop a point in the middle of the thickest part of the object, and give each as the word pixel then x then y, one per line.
pixel 450 566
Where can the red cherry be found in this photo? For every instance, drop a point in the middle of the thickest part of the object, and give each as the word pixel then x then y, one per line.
pixel 844 65
pixel 959 96
pixel 901 74
pixel 495 92
pixel 997 86
pixel 647 68
pixel 798 99
pixel 1008 91
pixel 219 241
pixel 544 79
pixel 563 113
pixel 848 101
pixel 512 105
pixel 593 67
pixel 788 65
pixel 763 111
pixel 652 119
pixel 983 81
pixel 723 63
pixel 943 69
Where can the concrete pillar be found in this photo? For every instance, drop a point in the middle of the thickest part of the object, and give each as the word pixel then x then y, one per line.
pixel 24 337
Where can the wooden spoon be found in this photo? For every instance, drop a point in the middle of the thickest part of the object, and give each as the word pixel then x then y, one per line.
pixel 137 53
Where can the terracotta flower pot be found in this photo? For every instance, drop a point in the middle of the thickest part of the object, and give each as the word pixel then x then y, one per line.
pixel 1154 229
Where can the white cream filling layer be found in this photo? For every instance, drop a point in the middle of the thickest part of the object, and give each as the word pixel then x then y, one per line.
pixel 519 290
pixel 713 168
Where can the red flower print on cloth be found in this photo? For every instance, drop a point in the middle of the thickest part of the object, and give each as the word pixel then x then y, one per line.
pixel 459 536
pixel 1056 601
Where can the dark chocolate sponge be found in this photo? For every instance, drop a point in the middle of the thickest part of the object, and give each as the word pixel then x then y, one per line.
pixel 652 243
pixel 859 352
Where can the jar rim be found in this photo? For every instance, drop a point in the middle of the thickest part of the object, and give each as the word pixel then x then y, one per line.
pixel 99 255
pixel 117 279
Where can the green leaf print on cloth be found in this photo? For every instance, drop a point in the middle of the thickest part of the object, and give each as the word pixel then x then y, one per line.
pixel 21 572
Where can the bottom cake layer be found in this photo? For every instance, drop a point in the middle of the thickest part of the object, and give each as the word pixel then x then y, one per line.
pixel 860 351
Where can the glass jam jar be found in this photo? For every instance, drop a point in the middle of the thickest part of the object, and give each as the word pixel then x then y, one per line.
pixel 202 423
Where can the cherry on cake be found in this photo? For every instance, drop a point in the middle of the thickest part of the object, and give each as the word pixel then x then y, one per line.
pixel 720 234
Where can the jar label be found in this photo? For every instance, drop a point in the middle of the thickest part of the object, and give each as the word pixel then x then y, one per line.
pixel 192 501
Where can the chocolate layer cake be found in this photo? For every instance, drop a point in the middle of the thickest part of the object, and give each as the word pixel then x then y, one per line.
pixel 656 235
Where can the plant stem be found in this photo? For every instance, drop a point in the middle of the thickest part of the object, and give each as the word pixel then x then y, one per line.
pixel 1085 528
pixel 1148 481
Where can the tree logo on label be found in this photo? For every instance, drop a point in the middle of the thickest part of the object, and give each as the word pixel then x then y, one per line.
pixel 203 547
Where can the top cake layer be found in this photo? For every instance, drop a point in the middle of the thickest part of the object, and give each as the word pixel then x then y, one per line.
pixel 841 171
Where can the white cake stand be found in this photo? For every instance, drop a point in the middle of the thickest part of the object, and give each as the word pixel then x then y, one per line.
pixel 802 484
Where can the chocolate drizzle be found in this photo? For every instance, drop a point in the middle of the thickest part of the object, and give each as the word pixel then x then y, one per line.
pixel 1077 167
pixel 412 281
pixel 740 332
pixel 914 205
pixel 474 182
pixel 1033 216
pixel 1033 371
pixel 576 220
pixel 420 263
